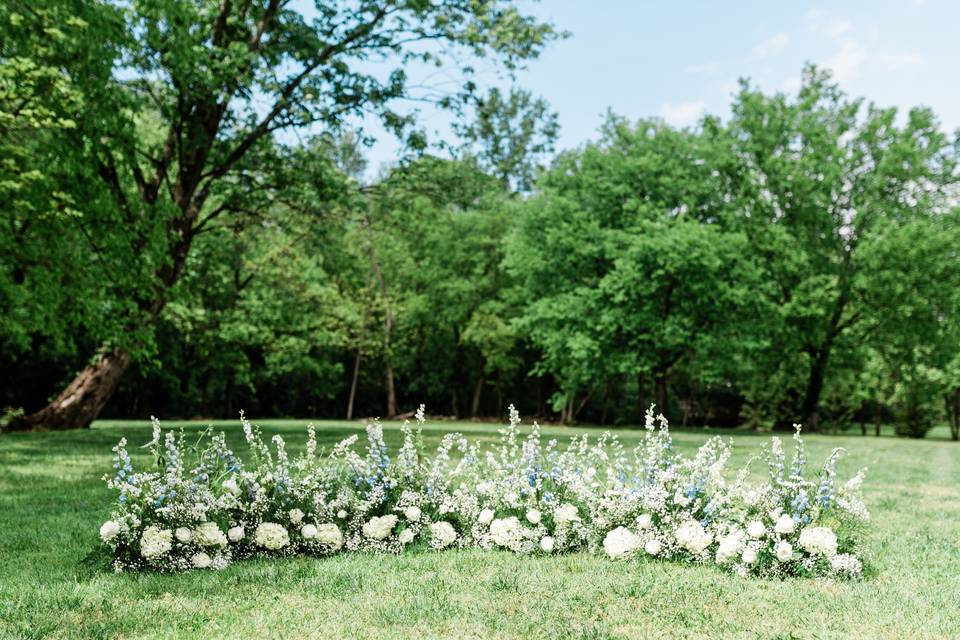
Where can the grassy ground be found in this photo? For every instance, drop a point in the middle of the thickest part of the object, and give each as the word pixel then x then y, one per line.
pixel 52 502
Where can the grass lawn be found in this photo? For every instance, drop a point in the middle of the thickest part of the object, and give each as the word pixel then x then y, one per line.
pixel 52 503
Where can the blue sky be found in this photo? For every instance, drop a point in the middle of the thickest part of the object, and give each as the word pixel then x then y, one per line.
pixel 677 60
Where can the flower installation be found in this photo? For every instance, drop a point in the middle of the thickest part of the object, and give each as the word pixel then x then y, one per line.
pixel 203 507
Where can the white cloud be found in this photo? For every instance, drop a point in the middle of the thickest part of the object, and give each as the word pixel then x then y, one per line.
pixel 846 62
pixel 898 61
pixel 684 114
pixel 772 45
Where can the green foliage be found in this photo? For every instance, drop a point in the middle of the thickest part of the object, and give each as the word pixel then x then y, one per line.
pixel 795 263
pixel 510 135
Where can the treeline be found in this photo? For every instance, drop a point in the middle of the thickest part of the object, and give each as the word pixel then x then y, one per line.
pixel 797 262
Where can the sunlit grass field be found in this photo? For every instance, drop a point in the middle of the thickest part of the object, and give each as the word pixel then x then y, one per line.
pixel 52 502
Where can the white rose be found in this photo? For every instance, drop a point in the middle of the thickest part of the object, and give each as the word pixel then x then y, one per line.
pixel 183 534
pixel 442 534
pixel 785 524
pixel 412 513
pixel 296 516
pixel 200 560
pixel 546 543
pixel 341 514
pixel 756 529
pixel 533 516
pixel 749 555
pixel 486 516
pixel 109 530
pixel 406 536
pixel 653 546
pixel 681 499
pixel 235 534
pixel 783 551
pixel 620 542
pixel 644 521
pixel 308 531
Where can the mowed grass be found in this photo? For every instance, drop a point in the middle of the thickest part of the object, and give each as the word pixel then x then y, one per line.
pixel 52 502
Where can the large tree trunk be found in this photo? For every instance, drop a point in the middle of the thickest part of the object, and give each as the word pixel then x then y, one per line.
pixel 80 403
pixel 661 390
pixel 810 411
pixel 477 394
pixel 353 384
pixel 953 413
pixel 391 391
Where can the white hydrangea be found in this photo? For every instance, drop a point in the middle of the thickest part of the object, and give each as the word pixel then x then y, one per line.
pixel 506 532
pixel 201 560
pixel 785 525
pixel 534 516
pixel 296 516
pixel 756 529
pixel 236 534
pixel 406 536
pixel 208 534
pixel 653 547
pixel 644 521
pixel 783 550
pixel 183 534
pixel 486 516
pixel 155 542
pixel 308 531
pixel 412 513
pixel 693 537
pixel 547 544
pixel 565 514
pixel 442 534
pixel 818 540
pixel 330 535
pixel 379 527
pixel 109 530
pixel 749 555
pixel 271 535
pixel 341 514
pixel 620 542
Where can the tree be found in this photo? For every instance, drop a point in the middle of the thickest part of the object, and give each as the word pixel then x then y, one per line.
pixel 203 86
pixel 632 265
pixel 825 172
pixel 510 135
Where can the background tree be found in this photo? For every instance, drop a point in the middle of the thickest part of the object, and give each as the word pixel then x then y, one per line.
pixel 189 72
pixel 510 135
pixel 826 173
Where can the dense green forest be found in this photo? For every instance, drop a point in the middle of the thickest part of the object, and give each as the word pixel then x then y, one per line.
pixel 169 248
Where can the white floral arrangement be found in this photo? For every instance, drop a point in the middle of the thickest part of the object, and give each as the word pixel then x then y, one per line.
pixel 202 507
